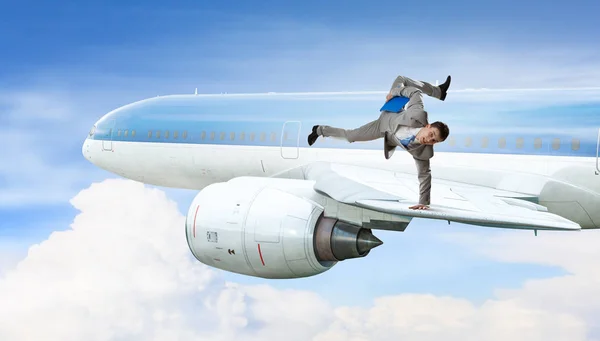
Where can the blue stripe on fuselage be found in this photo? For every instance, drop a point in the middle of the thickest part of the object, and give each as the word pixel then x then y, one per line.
pixel 259 121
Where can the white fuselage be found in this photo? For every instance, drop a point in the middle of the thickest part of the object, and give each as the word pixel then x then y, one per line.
pixel 195 166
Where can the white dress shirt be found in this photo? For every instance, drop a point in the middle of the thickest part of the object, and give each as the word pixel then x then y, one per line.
pixel 404 132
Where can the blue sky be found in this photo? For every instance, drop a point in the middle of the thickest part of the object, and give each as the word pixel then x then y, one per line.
pixel 64 66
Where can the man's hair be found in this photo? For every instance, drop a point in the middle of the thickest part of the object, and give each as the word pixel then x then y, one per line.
pixel 442 128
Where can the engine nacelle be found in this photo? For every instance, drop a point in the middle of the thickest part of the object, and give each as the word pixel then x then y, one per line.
pixel 270 228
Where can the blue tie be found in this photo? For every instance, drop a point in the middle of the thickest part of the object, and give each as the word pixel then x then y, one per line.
pixel 406 141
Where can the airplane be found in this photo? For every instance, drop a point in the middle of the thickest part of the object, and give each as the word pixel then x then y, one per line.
pixel 271 206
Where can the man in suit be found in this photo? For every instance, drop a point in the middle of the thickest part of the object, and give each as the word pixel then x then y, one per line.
pixel 408 129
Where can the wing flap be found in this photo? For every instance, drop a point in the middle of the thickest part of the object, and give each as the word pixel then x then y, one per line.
pixel 523 219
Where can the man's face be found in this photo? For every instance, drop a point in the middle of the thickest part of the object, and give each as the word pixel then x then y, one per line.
pixel 429 135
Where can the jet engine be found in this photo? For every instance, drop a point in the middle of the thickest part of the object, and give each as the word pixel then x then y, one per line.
pixel 270 228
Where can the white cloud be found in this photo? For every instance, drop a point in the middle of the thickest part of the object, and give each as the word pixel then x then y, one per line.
pixel 426 317
pixel 577 293
pixel 123 271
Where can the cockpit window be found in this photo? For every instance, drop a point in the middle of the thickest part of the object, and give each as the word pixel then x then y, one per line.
pixel 92 131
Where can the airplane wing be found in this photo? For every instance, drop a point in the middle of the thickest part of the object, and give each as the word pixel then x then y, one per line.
pixel 392 193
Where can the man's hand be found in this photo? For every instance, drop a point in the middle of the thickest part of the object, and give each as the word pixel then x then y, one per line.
pixel 388 97
pixel 419 207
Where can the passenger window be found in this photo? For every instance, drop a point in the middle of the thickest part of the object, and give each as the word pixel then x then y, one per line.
pixel 157 134
pixel 273 136
pixel 222 136
pixel 184 135
pixel 262 136
pixel 485 142
pixel 468 142
pixel 556 144
pixel 203 135
pixel 537 143
pixel 452 141
pixel 212 135
pixel 285 136
pixel 175 134
pixel 575 144
pixel 232 136
pixel 149 133
pixel 133 133
pixel 242 136
pixel 251 136
pixel 119 132
pixel 110 132
pixel 126 132
pixel 166 134
pixel 520 142
pixel 502 142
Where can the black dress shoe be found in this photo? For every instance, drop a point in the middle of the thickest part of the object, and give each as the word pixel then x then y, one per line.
pixel 444 87
pixel 313 136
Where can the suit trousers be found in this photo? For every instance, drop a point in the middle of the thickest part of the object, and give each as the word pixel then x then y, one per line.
pixel 368 132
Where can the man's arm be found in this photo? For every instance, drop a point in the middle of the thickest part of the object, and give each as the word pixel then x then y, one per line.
pixel 424 175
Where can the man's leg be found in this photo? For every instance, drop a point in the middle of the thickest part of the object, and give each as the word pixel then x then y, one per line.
pixel 367 132
pixel 429 89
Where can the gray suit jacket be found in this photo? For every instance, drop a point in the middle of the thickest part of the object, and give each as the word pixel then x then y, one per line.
pixel 414 116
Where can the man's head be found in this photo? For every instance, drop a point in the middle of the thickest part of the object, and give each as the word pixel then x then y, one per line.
pixel 433 133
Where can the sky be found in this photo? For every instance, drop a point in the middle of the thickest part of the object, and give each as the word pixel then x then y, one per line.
pixel 78 245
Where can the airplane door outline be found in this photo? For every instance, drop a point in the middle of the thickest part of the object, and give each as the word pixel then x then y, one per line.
pixel 597 153
pixel 107 143
pixel 290 139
